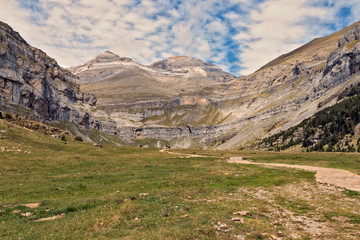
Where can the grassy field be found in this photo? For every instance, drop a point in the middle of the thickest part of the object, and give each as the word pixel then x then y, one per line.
pixel 138 193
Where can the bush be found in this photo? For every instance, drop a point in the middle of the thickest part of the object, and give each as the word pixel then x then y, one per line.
pixel 1 115
pixel 8 115
pixel 78 138
pixel 63 138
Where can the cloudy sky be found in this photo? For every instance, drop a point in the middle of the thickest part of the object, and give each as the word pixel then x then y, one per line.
pixel 238 35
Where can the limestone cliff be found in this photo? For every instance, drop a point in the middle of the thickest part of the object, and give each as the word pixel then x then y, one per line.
pixel 31 79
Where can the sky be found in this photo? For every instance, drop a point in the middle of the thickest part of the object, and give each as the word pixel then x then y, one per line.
pixel 240 36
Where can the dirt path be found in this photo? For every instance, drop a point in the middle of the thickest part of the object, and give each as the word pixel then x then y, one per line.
pixel 332 176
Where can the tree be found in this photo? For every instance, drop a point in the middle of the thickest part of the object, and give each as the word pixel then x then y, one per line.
pixel 78 138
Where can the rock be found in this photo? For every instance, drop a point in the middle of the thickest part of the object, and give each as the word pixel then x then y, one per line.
pixel 96 145
pixel 274 237
pixel 55 136
pixel 243 213
pixel 350 36
pixel 184 216
pixel 143 194
pixel 240 237
pixel 223 227
pixel 27 214
pixel 237 219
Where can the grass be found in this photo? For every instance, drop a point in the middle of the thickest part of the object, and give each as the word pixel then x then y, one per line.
pixel 139 193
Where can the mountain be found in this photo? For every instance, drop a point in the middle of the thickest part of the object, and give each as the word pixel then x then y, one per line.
pixel 196 104
pixel 135 95
pixel 182 101
pixel 33 84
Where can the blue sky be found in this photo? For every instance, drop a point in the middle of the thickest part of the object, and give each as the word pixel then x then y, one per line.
pixel 238 35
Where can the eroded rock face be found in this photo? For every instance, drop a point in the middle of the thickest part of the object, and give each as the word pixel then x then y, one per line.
pixel 30 78
pixel 350 36
pixel 185 64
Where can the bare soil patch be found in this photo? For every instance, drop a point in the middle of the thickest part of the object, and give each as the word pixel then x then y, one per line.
pixel 330 176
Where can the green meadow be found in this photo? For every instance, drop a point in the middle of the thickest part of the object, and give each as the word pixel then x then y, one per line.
pixel 109 192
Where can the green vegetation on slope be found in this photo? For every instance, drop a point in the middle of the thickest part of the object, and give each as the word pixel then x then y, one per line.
pixel 326 130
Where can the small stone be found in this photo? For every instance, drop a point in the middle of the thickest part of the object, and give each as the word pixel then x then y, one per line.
pixel 223 227
pixel 280 234
pixel 240 237
pixel 274 237
pixel 143 194
pixel 27 214
pixel 237 219
pixel 184 216
pixel 243 213
pixel 15 211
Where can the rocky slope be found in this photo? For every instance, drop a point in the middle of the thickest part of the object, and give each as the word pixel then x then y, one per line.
pixel 195 104
pixel 32 83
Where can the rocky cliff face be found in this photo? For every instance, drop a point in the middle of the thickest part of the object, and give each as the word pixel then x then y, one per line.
pixel 31 79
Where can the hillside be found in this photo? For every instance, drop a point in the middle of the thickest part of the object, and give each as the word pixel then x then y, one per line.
pixel 333 129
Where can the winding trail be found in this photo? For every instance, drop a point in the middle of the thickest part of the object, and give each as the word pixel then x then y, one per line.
pixel 331 176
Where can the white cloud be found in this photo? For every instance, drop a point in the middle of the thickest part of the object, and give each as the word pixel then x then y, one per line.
pixel 275 30
pixel 230 33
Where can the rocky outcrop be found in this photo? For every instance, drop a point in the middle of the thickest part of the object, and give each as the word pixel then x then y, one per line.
pixel 186 64
pixel 31 79
pixel 352 35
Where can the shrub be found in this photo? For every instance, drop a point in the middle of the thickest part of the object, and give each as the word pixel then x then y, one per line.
pixel 63 138
pixel 8 115
pixel 78 138
pixel 1 115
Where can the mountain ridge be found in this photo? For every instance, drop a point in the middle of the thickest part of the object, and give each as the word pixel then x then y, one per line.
pixel 182 100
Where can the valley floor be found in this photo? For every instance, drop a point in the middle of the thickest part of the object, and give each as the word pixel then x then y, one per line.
pixel 53 190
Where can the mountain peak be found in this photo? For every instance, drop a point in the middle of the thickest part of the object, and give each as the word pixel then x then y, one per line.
pixel 177 62
pixel 108 56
